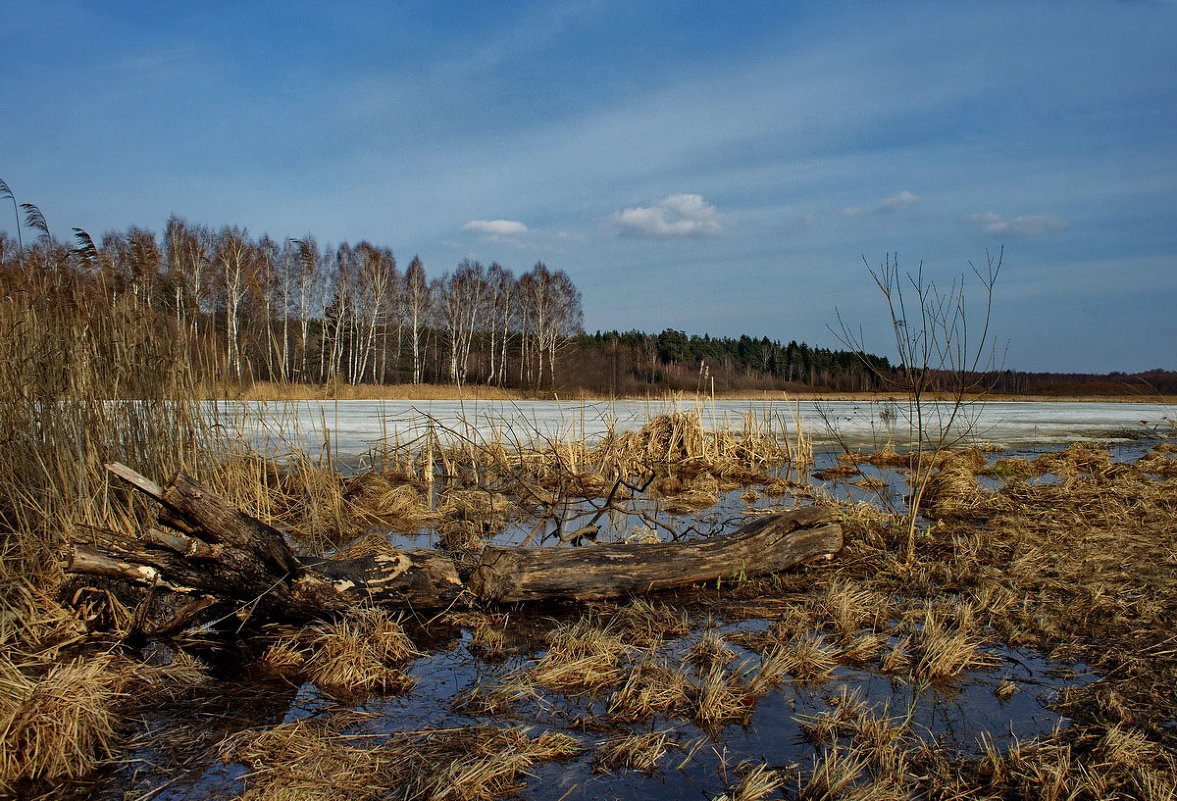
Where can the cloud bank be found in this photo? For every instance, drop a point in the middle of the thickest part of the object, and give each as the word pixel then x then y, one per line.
pixel 496 227
pixel 683 215
pixel 1025 225
pixel 902 200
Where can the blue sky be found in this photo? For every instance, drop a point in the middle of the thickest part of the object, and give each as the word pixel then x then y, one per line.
pixel 705 166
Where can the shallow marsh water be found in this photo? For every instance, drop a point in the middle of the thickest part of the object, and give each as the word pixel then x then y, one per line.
pixel 951 715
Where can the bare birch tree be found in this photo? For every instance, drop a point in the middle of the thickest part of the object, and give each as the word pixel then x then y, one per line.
pixel 417 302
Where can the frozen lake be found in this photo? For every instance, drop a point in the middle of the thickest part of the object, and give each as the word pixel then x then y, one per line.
pixel 352 429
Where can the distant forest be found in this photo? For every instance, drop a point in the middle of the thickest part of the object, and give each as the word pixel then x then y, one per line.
pixel 229 308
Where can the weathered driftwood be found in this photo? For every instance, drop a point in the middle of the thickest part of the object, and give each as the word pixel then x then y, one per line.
pixel 213 549
pixel 767 545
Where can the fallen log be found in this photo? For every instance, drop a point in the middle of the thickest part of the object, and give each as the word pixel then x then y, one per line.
pixel 767 545
pixel 214 549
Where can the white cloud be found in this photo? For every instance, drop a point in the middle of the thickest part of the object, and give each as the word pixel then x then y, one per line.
pixel 495 227
pixel 683 215
pixel 1025 225
pixel 902 200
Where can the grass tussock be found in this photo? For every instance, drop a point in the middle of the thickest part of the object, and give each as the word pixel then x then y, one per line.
pixel 497 699
pixel 581 657
pixel 942 648
pixel 652 687
pixel 59 726
pixel 326 759
pixel 642 751
pixel 359 654
pixel 757 782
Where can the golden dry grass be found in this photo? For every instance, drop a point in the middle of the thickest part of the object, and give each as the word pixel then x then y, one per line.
pixel 580 656
pixel 321 759
pixel 642 751
pixel 757 781
pixel 359 654
pixel 59 726
pixel 1081 568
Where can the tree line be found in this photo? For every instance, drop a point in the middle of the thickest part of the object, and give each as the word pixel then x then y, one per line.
pixel 228 307
pixel 626 360
pixel 240 308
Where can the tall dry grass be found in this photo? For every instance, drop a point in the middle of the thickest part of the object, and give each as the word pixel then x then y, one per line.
pixel 82 383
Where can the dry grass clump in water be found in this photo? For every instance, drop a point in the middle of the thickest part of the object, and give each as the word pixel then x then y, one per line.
pixel 643 622
pixel 182 675
pixel 671 438
pixel 1080 458
pixel 756 783
pixel 359 654
pixel 652 687
pixel 641 751
pixel 808 657
pixel 1160 461
pixel 468 516
pixel 60 726
pixel 721 695
pixel 702 492
pixel 953 487
pixel 849 606
pixel 497 699
pixel 942 648
pixel 312 759
pixel 873 731
pixel 1014 467
pixel 580 656
pixel 488 637
pixel 710 650
pixel 836 472
pixel 680 438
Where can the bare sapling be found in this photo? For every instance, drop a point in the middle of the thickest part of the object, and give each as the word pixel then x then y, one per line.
pixel 946 361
